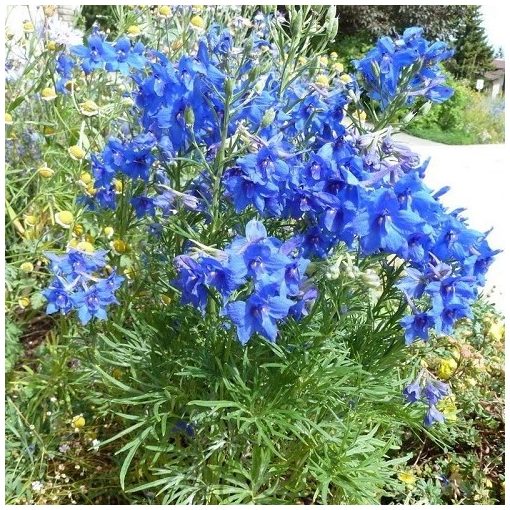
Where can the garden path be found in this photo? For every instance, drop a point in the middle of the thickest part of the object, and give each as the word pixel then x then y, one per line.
pixel 477 176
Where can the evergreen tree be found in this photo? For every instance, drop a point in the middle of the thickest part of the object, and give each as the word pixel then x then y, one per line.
pixel 473 53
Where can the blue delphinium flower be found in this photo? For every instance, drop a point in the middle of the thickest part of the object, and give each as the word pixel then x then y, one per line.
pixel 126 57
pixel 95 54
pixel 259 314
pixel 412 392
pixel 433 416
pixel 92 302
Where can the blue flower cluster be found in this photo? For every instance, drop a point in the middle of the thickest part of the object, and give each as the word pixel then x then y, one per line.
pixel 430 391
pixel 297 157
pixel 272 271
pixel 77 286
pixel 382 69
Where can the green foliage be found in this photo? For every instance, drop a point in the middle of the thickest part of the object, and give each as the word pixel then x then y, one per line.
pixel 471 470
pixel 473 54
pixel 439 21
pixel 468 117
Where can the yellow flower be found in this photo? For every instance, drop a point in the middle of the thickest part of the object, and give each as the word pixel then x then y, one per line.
pixel 85 246
pixel 78 230
pixel 24 302
pixel 345 78
pixel 164 10
pixel 407 477
pixel 27 267
pixel 448 408
pixel 338 67
pixel 49 10
pixel 446 368
pixel 361 116
pixel 48 94
pixel 197 23
pixel 324 60
pixel 28 27
pixel 64 219
pixel 322 80
pixel 89 108
pixel 333 55
pixel 166 299
pixel 8 119
pixel 496 332
pixel 73 243
pixel 51 45
pixel 86 178
pixel 119 246
pixel 133 31
pixel 118 185
pixel 78 422
pixel 90 190
pixel 108 232
pixel 76 152
pixel 30 220
pixel 45 171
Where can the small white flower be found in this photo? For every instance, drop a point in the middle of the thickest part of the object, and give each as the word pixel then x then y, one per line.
pixel 64 448
pixel 37 486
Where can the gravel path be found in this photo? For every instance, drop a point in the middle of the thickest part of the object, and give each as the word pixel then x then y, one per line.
pixel 476 175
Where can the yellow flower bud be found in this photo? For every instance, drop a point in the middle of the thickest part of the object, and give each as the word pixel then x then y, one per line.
pixel 117 373
pixel 78 422
pixel 338 67
pixel 133 31
pixel 166 299
pixel 30 220
pixel 119 246
pixel 48 94
pixel 28 27
pixel 27 267
pixel 73 243
pixel 85 177
pixel 345 78
pixel 333 55
pixel 165 10
pixel 89 108
pixel 361 115
pixel 51 45
pixel 108 232
pixel 48 131
pixel 89 238
pixel 78 230
pixel 64 218
pixel 8 119
pixel 85 246
pixel 322 80
pixel 197 22
pixel 45 171
pixel 49 10
pixel 118 185
pixel 301 60
pixel 24 302
pixel 323 60
pixel 76 152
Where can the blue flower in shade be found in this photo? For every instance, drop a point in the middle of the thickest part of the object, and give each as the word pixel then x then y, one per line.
pixel 96 54
pixel 417 326
pixel 259 314
pixel 143 206
pixel 316 243
pixel 433 415
pixel 435 390
pixel 92 303
pixel 106 197
pixel 191 282
pixel 412 392
pixel 305 299
pixel 225 278
pixel 103 174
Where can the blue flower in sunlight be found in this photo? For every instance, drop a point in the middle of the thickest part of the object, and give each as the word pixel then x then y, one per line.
pixel 412 392
pixel 259 314
pixel 58 294
pixel 96 54
pixel 435 390
pixel 92 302
pixel 126 56
pixel 143 206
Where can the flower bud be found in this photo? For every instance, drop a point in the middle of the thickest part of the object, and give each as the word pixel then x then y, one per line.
pixel 189 116
pixel 268 117
pixel 64 218
pixel 27 267
pixel 48 94
pixel 76 152
pixel 24 302
pixel 8 119
pixel 45 171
